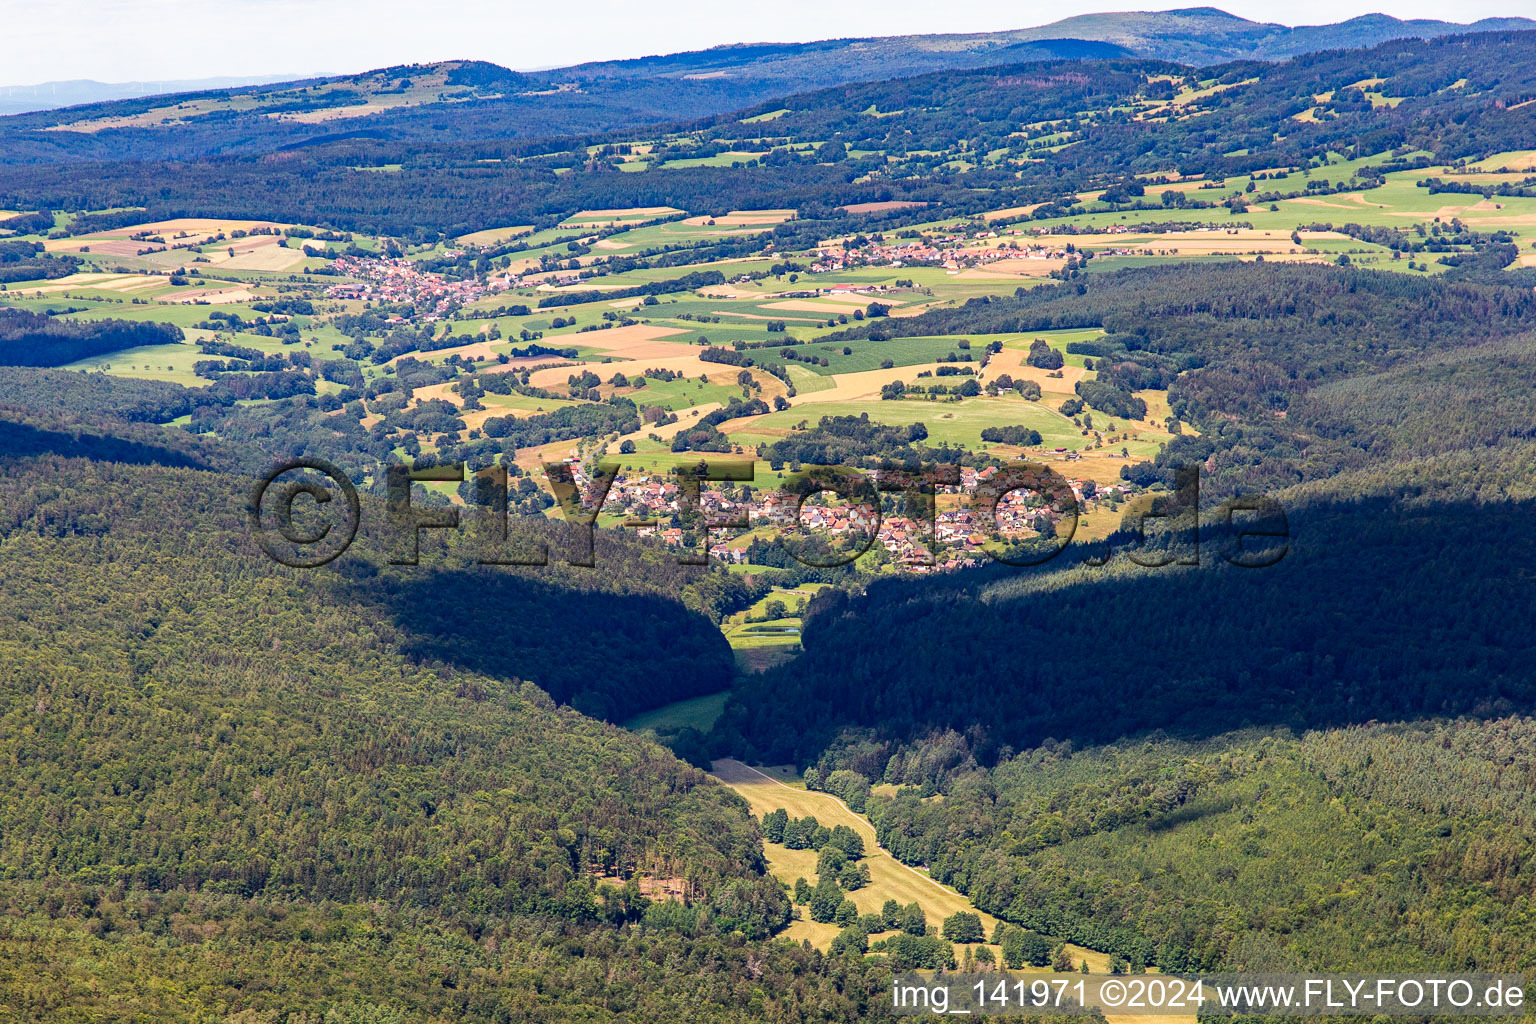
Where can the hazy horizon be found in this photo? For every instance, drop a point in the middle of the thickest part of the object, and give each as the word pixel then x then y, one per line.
pixel 151 41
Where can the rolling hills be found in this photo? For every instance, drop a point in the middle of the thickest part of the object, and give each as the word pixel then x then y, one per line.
pixel 418 102
pixel 393 792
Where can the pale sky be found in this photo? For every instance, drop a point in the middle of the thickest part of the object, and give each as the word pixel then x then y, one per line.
pixel 157 40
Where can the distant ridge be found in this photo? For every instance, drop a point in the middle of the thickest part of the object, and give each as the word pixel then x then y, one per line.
pixel 1194 35
pixel 1197 36
pixel 19 99
pixel 481 100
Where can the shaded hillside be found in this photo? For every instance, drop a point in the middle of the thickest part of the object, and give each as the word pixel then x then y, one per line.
pixel 225 770
pixel 1387 399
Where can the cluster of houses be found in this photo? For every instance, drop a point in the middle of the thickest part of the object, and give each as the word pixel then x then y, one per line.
pixel 649 504
pixel 399 280
pixel 947 251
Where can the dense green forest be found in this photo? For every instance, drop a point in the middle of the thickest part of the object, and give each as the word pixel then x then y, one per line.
pixel 32 339
pixel 266 781
pixel 123 398
pixel 26 261
pixel 1373 847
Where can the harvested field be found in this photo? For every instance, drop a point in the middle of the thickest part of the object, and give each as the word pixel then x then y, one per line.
pixel 862 385
pixel 603 218
pixel 637 341
pixel 533 458
pixel 197 228
pixel 258 253
pixel 491 236
pixel 685 419
pixel 687 365
pixel 1521 160
pixel 217 296
pixel 889 878
pixel 1003 269
pixel 102 282
pixel 744 219
pixel 894 204
pixel 826 304
pixel 1011 361
pixel 760 316
pixel 1012 211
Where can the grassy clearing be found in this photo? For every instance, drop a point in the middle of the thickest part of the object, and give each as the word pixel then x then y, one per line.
pixel 1519 160
pixel 808 381
pixel 697 712
pixel 492 236
pixel 627 215
pixel 726 159
pixel 684 393
pixel 750 630
pixel 154 362
pixel 953 422
pixel 871 355
pixel 889 878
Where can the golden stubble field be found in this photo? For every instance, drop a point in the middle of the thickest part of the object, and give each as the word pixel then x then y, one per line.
pixel 889 878
pixel 251 252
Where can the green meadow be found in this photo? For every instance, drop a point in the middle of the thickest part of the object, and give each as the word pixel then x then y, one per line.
pixel 948 422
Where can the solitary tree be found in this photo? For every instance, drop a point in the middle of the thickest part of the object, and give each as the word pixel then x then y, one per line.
pixel 773 825
pixel 913 921
pixel 825 900
pixel 963 927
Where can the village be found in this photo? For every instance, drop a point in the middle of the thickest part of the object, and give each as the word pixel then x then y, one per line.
pixel 652 505
pixel 398 280
pixel 948 251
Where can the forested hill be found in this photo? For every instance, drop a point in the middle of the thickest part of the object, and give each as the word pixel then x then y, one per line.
pixel 261 781
pixel 1196 36
pixel 1241 347
pixel 1453 97
pixel 415 102
pixel 1456 97
pixel 632 632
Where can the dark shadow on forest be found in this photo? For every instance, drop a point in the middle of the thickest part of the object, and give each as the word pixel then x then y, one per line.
pixel 1379 611
pixel 21 440
pixel 609 655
